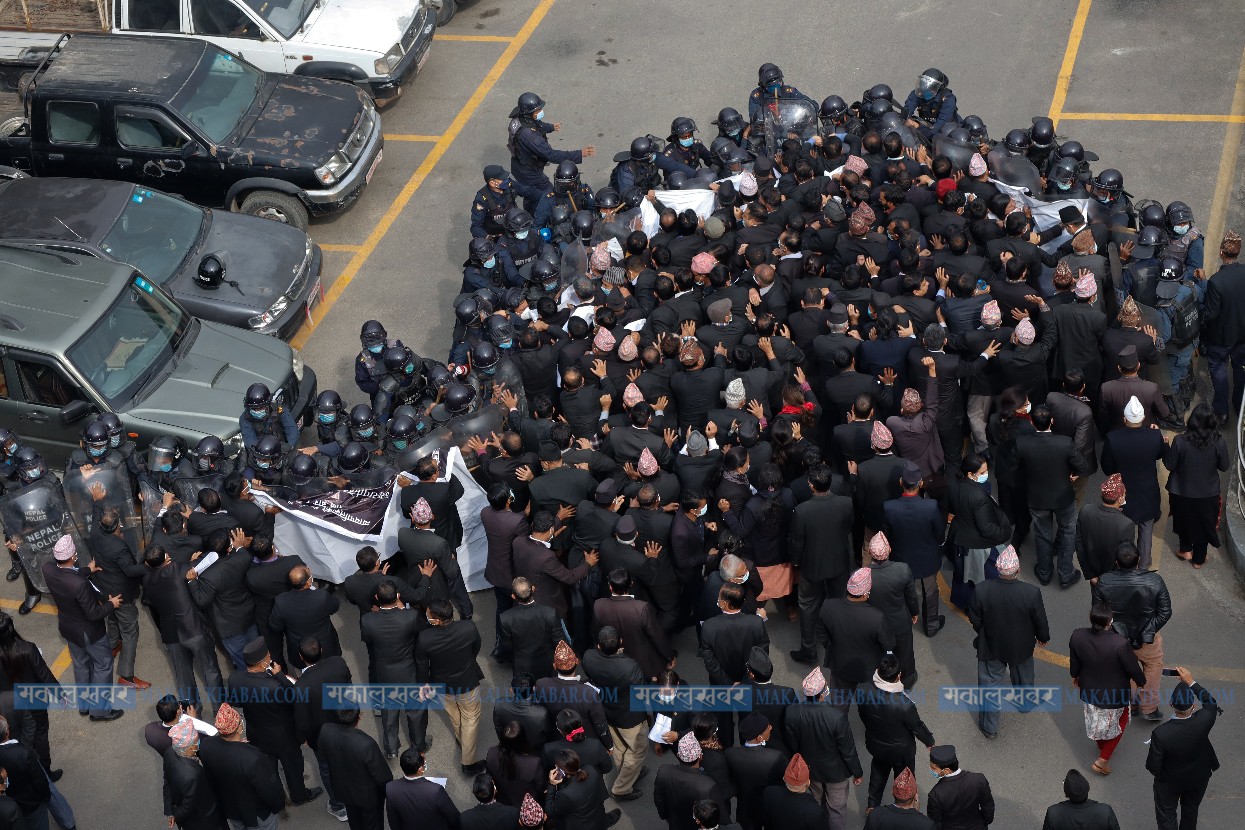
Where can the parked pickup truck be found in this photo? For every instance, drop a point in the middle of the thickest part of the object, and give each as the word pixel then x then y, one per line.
pixel 378 44
pixel 187 117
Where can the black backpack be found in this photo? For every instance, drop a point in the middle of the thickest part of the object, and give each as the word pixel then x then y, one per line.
pixel 1185 316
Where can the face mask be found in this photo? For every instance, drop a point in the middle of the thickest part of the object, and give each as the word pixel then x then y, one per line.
pixel 11 448
pixel 551 286
pixel 375 349
pixel 490 262
pixel 927 96
pixel 935 773
pixel 489 371
pixel 1063 186
pixel 504 186
pixel 745 579
pixel 366 432
pixel 1181 230
pixel 652 157
pixel 735 134
pixel 263 465
pixel 114 441
pixel 540 116
pixel 204 463
pixel 702 511
pixel 511 492
pixel 95 453
pixel 686 142
pixel 410 368
pixel 1028 406
pixel 606 288
pixel 983 478
pixel 399 444
pixel 257 414
pixel 666 698
pixel 164 467
pixel 326 418
pixel 521 234
pixel 505 344
pixel 840 133
pixel 772 88
pixel 1105 200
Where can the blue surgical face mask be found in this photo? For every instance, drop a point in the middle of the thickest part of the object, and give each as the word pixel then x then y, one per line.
pixel 703 510
pixel 1105 200
pixel 521 234
pixel 257 414
pixel 410 368
pixel 840 133
pixel 204 463
pixel 164 467
pixel 376 349
pixel 984 477
pixel 928 95
pixel 399 443
pixel 935 773
pixel 505 344
pixel 1181 230
pixel 540 116
pixel 488 372
pixel 772 88
pixel 490 262
pixel 1064 185
pixel 366 432
pixel 96 453
pixel 686 142
pixel 262 464
pixel 326 418
pixel 504 186
pixel 736 134
pixel 551 286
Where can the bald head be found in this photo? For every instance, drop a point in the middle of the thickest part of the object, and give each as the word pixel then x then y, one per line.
pixel 300 577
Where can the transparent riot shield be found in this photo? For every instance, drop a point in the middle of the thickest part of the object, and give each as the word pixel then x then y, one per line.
pixel 1016 171
pixel 788 118
pixel 112 481
pixel 152 499
pixel 36 516
pixel 187 488
pixel 958 152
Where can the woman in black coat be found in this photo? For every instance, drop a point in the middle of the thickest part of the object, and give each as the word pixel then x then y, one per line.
pixel 1005 426
pixel 515 769
pixel 978 531
pixel 576 799
pixel 1194 461
pixel 590 751
pixel 22 662
pixel 1102 665
pixel 763 523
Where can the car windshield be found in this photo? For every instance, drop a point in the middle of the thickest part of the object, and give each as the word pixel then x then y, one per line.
pixel 219 93
pixel 131 343
pixel 154 233
pixel 283 15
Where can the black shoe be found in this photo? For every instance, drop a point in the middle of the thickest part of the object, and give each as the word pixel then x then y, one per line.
pixel 473 769
pixel 312 795
pixel 612 817
pixel 1076 577
pixel 54 775
pixel 990 736
pixel 29 604
pixel 635 793
pixel 1045 581
pixel 802 656
pixel 113 715
pixel 14 573
pixel 1154 717
pixel 939 622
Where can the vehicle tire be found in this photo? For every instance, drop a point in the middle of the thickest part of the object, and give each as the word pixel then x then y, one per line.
pixel 279 207
pixel 10 126
pixel 448 8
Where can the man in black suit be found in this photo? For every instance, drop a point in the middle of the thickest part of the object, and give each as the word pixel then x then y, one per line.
pixel 635 621
pixel 534 559
pixel 172 536
pixel 530 631
pixel 1101 529
pixel 615 673
pixel 753 767
pixel 1010 619
pixel 566 690
pixel 489 813
pixel 27 783
pixel 893 592
pixel 1079 810
pixel 1223 325
pixel 1141 605
pixel 521 707
pixel 185 633
pixel 190 799
pixel 446 653
pixel 892 727
pixel 236 498
pixel 1134 452
pixel 222 594
pixel 210 516
pixel 421 544
pixel 652 524
pixel 727 639
pixel 360 586
pixel 501 527
pixel 820 544
pixel 1079 327
pixel 960 799
pixel 305 612
pixel 309 712
pixel 559 485
pixel 390 633
pixel 916 528
pixel 1050 462
pixel 845 386
pixel 442 497
pixel 1182 758
pixel 790 805
pixel 245 780
pixel 267 579
pixel 769 698
pixel 264 695
pixel 1074 417
pixel 678 787
pixel 412 802
pixel 818 732
pixel 81 610
pixel 357 768
pixel 857 636
pixel 117 572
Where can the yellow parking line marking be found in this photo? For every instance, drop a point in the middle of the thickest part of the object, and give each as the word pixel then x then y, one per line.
pixel 62 663
pixel 1069 61
pixel 430 161
pixel 475 38
pixel 1227 163
pixel 41 608
pixel 1188 117
pixel 352 249
pixel 400 137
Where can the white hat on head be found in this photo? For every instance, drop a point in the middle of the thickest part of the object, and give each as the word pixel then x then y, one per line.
pixel 1134 412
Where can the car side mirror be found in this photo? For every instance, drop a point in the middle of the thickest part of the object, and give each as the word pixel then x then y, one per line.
pixel 190 148
pixel 75 411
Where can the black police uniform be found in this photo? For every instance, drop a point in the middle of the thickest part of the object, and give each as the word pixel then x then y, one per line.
pixel 761 97
pixel 574 200
pixel 513 253
pixel 530 152
pixel 368 368
pixel 695 156
pixel 488 212
pixel 934 113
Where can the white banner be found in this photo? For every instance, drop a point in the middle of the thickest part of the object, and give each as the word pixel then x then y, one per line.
pixel 1045 214
pixel 701 201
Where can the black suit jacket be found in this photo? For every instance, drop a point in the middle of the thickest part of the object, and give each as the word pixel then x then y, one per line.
pixel 221 593
pixel 820 732
pixel 892 725
pixel 1045 462
pixel 189 796
pixel 558 693
pixel 1181 754
pixel 1009 618
pixel 491 816
pixel 787 810
pixel 1088 815
pixel 675 790
pixel 245 779
pixel 165 589
pixel 546 572
pixel 1224 318
pixel 120 573
pixel 204 525
pixel 501 527
pixel 820 541
pixel 80 608
pixel 638 626
pixel 360 590
pixel 307 613
pixel 533 717
pixel 725 642
pixel 858 639
pixel 419 805
pixel 752 769
pixel 961 802
pixel 915 528
pixel 390 635
pixel 267 703
pixel 28 784
pixel 309 713
pixel 615 675
pixel 447 654
pixel 356 765
pixel 1099 532
pixel 442 497
pixel 1075 419
pixel 446 582
pixel 894 594
pixel 1132 453
pixel 531 632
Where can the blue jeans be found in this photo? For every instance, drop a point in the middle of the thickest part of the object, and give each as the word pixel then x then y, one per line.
pixel 1054 534
pixel 59 808
pixel 92 664
pixel 991 673
pixel 335 803
pixel 1219 357
pixel 235 644
pixel 1178 364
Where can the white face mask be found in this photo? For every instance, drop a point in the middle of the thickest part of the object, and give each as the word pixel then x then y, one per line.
pixel 703 510
pixel 1027 407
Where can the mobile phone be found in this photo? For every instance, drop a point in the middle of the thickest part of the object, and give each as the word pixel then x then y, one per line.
pixel 1170 672
pixel 558 774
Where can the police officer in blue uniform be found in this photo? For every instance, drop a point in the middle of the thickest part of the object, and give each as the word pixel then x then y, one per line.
pixel 684 147
pixel 331 431
pixel 483 268
pixel 770 88
pixel 260 417
pixel 367 367
pixel 730 126
pixel 931 105
pixel 642 166
pixel 519 247
pixel 404 382
pixel 567 191
pixel 530 150
pixel 491 202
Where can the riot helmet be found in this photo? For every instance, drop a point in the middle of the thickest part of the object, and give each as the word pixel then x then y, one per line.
pixel 163 453
pixel 722 149
pixel 1153 215
pixel 930 83
pixel 9 442
pixel 1063 174
pixel 266 453
pixel 211 273
pixel 643 149
pixel 302 468
pixel 353 457
pixel 258 401
pixel 631 198
pixel 559 215
pixel 467 310
pixel 1178 213
pixel 395 358
pixel 116 430
pixel 566 177
pixel 513 298
pixel 328 407
pixel 209 451
pixel 682 127
pixel 1017 141
pixel 500 331
pixel 458 398
pixel 362 421
pixel 1072 150
pixel 30 464
pixel 518 222
pixel 769 75
pixel 1042 133
pixel 439 376
pixel 1109 181
pixel 373 336
pixel 95 440
pixel 483 251
pixel 729 121
pixel 832 109
pixel 1170 268
pixel 401 430
pixel 608 199
pixel 582 223
pixel 976 128
pixel 488 299
pixel 529 104
pixel 879 92
pixel 876 108
pixel 485 357
pixel 1151 238
pixel 545 274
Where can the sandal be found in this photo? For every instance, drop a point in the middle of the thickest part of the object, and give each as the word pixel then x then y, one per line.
pixel 1101 767
pixel 1185 555
pixel 1196 566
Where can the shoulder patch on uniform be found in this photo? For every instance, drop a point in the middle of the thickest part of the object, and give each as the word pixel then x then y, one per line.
pixel 479 206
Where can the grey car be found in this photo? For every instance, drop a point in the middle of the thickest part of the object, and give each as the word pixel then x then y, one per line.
pixel 80 335
pixel 270 271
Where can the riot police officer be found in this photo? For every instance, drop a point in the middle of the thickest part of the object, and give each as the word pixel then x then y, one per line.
pixel 488 208
pixel 207 458
pixel 519 247
pixel 363 429
pixel 483 268
pixel 1179 305
pixel 402 430
pixel 1141 265
pixel 94 446
pixel 356 467
pixel 731 126
pixel 403 382
pixel 457 399
pixel 1009 162
pixel 261 417
pixel 932 104
pixel 1186 243
pixel 530 150
pixel 546 279
pixel 119 445
pixel 770 88
pixel 163 455
pixel 31 469
pixel 642 166
pixel 468 327
pixel 1063 182
pixel 264 461
pixel 490 370
pixel 1043 148
pixel 367 368
pixel 303 477
pixel 9 445
pixel 567 192
pixel 683 145
pixel 1115 206
pixel 331 433
pixel 837 119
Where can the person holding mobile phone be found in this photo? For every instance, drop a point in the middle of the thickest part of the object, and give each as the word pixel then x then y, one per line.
pixel 1182 758
pixel 576 796
pixel 1102 664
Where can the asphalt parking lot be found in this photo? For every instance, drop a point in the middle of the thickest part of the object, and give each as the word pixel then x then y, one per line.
pixel 1156 90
